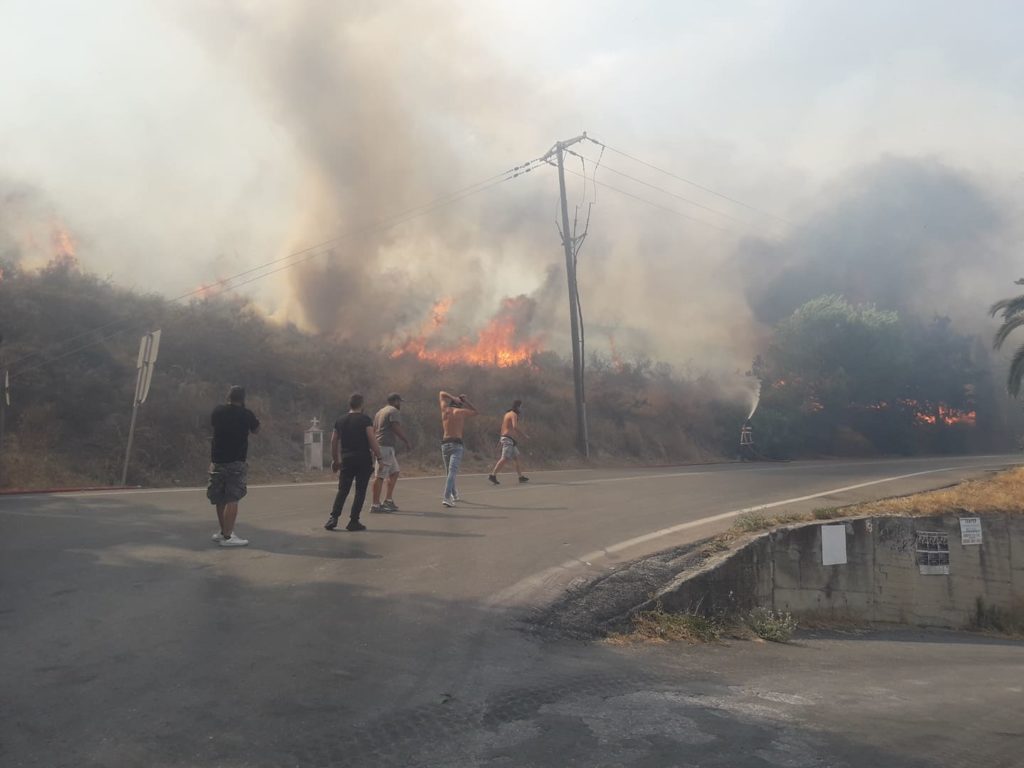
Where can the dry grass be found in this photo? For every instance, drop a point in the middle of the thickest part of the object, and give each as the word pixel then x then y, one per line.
pixel 660 626
pixel 1002 492
pixel 751 522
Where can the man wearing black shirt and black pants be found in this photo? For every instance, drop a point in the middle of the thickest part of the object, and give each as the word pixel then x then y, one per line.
pixel 232 424
pixel 353 448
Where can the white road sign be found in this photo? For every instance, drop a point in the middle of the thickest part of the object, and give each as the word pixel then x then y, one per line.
pixel 148 349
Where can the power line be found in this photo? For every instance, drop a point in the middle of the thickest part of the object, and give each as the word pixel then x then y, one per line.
pixel 692 183
pixel 670 192
pixel 307 253
pixel 656 205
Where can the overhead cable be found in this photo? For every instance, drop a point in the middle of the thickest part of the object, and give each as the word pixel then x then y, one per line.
pixel 692 183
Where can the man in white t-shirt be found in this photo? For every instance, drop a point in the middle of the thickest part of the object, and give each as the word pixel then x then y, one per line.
pixel 387 425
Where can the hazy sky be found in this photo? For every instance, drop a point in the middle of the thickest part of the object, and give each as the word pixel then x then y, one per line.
pixel 187 140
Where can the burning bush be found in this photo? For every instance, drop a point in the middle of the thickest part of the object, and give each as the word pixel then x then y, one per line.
pixel 854 380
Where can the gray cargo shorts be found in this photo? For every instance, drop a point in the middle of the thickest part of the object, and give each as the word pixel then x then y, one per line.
pixel 509 449
pixel 227 482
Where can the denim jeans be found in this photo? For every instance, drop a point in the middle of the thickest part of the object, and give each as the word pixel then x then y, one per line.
pixel 451 455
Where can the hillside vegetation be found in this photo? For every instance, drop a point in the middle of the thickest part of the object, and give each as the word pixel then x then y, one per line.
pixel 71 406
pixel 836 380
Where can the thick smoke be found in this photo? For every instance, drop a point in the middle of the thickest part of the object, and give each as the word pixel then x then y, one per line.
pixel 387 108
pixel 367 109
pixel 390 106
pixel 912 235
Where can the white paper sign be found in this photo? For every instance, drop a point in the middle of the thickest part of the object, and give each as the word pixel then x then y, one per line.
pixel 833 545
pixel 970 530
pixel 933 553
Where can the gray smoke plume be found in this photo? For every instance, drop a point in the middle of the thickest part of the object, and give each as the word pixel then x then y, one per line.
pixel 912 235
pixel 382 103
pixel 348 113
pixel 389 106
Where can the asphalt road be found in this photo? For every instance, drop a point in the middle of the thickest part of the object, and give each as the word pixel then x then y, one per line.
pixel 128 638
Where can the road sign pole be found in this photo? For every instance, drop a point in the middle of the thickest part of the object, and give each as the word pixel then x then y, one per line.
pixel 131 437
pixel 148 349
pixel 5 403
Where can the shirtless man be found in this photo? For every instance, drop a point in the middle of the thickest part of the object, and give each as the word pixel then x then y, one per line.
pixel 455 409
pixel 510 436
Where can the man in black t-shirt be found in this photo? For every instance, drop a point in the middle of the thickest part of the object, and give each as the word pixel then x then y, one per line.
pixel 232 424
pixel 353 447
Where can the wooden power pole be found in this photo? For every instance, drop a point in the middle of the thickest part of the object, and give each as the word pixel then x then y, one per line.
pixel 569 244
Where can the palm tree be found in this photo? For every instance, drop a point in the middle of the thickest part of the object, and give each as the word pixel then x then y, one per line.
pixel 1012 311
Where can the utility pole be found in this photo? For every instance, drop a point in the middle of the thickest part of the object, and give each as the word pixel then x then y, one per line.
pixel 569 244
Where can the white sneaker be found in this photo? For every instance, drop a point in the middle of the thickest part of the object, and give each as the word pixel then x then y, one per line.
pixel 218 536
pixel 234 541
pixel 448 502
pixel 456 497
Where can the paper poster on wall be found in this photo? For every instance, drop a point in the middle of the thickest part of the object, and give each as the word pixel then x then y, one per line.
pixel 933 553
pixel 970 530
pixel 833 545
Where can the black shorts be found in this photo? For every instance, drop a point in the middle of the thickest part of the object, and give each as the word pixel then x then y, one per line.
pixel 227 482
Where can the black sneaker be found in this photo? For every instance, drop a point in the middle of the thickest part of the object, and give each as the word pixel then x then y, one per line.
pixel 355 525
pixel 331 524
pixel 493 479
pixel 524 479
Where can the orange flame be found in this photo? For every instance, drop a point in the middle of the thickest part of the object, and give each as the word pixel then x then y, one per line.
pixel 63 244
pixel 62 248
pixel 208 290
pixel 617 363
pixel 943 414
pixel 500 343
pixel 439 314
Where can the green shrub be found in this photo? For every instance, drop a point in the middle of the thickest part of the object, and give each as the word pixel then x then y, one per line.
pixel 775 626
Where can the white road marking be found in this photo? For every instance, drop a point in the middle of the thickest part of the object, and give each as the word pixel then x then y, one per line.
pixel 696 471
pixel 202 488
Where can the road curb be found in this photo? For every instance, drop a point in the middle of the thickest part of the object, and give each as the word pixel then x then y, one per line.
pixel 74 489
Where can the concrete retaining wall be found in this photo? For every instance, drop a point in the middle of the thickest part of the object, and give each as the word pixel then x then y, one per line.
pixel 891 573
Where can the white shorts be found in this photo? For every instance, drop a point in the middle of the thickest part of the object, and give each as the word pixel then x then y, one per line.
pixel 387 464
pixel 509 450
